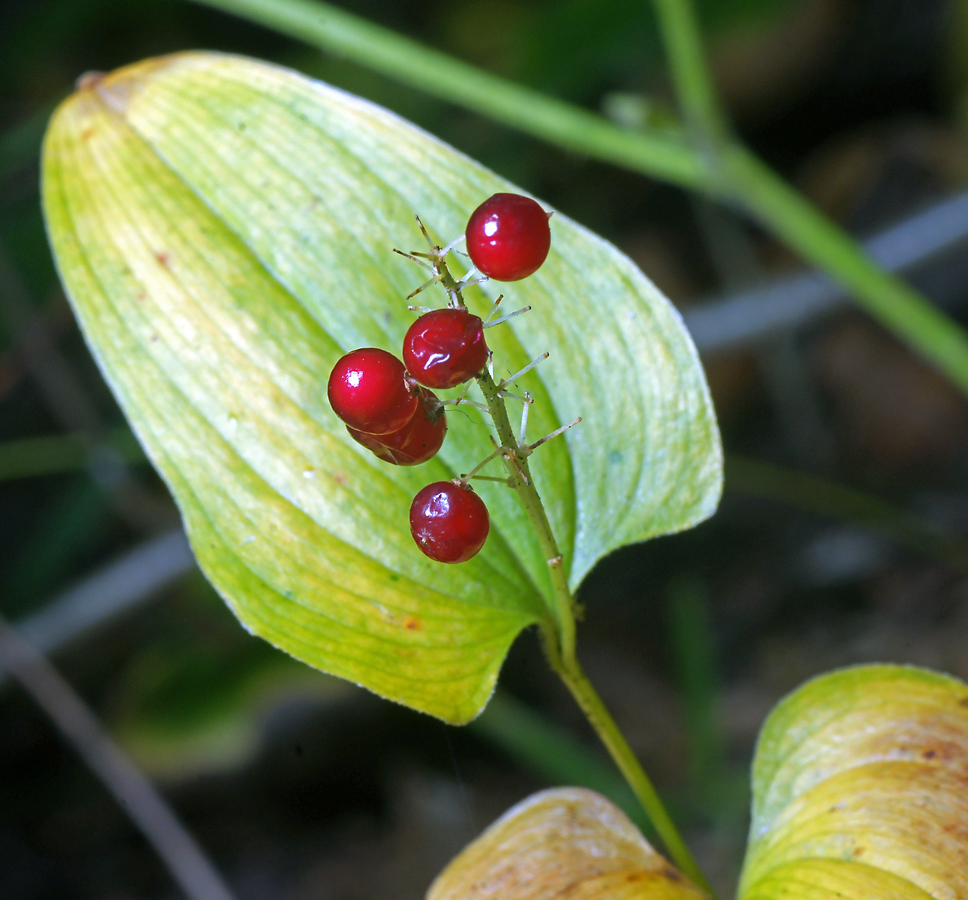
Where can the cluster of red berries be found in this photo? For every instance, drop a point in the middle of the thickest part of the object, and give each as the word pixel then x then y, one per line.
pixel 389 405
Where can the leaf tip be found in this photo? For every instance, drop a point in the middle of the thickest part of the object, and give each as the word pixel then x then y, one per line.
pixel 89 81
pixel 116 89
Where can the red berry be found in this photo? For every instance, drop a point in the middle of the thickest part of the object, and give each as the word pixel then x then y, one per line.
pixel 415 443
pixel 369 391
pixel 445 347
pixel 449 521
pixel 508 237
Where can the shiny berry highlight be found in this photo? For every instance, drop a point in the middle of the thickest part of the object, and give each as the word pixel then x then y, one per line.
pixel 368 389
pixel 508 237
pixel 445 347
pixel 449 521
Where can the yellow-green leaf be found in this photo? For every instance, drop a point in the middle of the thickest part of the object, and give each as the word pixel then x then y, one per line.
pixel 566 842
pixel 224 231
pixel 860 789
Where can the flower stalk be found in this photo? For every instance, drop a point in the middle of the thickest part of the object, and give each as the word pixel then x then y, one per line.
pixel 559 634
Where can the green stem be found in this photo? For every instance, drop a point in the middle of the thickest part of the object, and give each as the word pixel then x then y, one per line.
pixel 519 478
pixel 442 76
pixel 829 498
pixel 786 213
pixel 732 174
pixel 601 720
pixel 57 453
pixel 694 85
pixel 890 300
pixel 738 174
pixel 560 639
pixel 553 753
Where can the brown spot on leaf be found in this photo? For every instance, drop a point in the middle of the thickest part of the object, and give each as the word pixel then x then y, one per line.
pixel 672 874
pixel 163 257
pixel 963 701
pixel 89 81
pixel 116 89
pixel 929 754
pixel 412 624
pixel 339 478
pixel 87 133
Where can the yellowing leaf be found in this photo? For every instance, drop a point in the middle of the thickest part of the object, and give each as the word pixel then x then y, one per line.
pixel 224 231
pixel 567 842
pixel 860 790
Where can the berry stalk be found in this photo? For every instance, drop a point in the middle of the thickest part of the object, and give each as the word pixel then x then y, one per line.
pixel 519 479
pixel 587 698
pixel 559 640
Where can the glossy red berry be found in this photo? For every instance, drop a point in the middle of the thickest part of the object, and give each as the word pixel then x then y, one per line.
pixel 369 391
pixel 449 521
pixel 445 347
pixel 415 443
pixel 508 237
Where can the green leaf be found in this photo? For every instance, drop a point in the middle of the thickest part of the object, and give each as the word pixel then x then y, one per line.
pixel 860 788
pixel 224 230
pixel 566 842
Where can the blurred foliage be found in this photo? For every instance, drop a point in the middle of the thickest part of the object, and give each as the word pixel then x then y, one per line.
pixel 196 699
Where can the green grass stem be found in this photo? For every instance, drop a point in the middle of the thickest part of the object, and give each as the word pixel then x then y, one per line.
pixel 693 651
pixel 54 454
pixel 552 753
pixel 700 103
pixel 893 302
pixel 446 78
pixel 735 175
pixel 828 498
pixel 618 747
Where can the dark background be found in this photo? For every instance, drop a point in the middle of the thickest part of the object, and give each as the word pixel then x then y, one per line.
pixel 301 787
